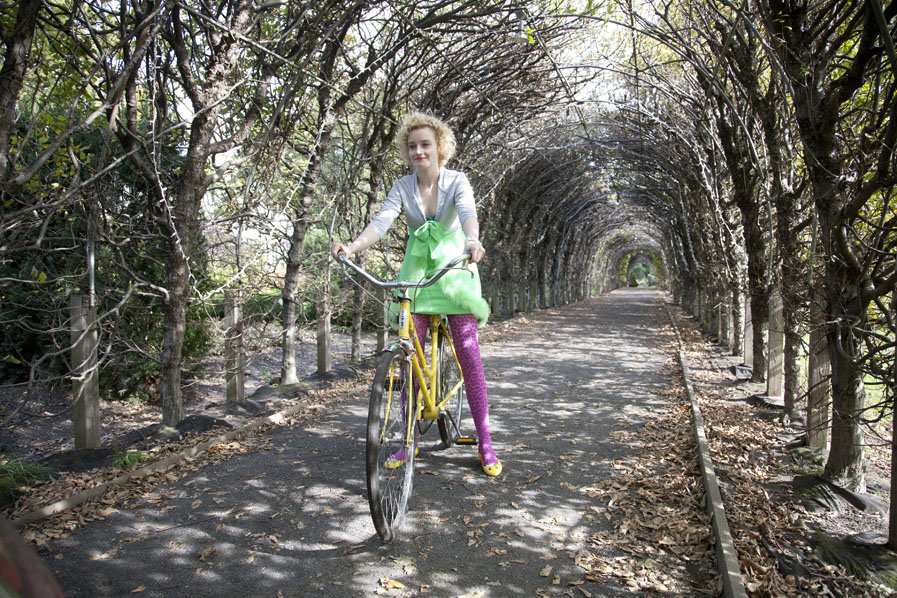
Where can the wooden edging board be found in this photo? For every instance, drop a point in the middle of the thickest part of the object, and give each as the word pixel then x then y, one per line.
pixel 726 557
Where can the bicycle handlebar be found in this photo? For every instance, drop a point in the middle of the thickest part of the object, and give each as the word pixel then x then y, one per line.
pixel 401 284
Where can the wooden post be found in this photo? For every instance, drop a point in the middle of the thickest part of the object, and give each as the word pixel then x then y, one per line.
pixel 383 326
pixel 234 358
pixel 85 381
pixel 775 359
pixel 748 333
pixel 325 360
pixel 722 333
pixel 324 338
pixel 730 326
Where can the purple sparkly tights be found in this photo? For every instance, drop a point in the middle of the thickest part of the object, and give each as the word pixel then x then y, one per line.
pixel 467 345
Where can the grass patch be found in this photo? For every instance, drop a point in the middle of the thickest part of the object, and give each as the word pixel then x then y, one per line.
pixel 128 459
pixel 16 473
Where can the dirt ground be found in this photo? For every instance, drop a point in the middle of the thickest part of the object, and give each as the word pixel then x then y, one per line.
pixel 787 523
pixel 45 426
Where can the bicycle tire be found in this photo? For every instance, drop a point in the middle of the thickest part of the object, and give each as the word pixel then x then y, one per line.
pixel 451 420
pixel 389 487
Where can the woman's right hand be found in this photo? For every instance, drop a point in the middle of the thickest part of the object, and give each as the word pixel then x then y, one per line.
pixel 338 248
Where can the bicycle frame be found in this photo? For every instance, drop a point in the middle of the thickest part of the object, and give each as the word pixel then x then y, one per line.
pixel 427 375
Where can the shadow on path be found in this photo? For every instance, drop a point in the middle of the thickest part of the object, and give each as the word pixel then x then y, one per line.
pixel 290 518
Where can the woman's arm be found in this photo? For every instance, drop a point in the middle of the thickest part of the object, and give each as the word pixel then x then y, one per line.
pixel 368 237
pixel 376 230
pixel 473 246
pixel 467 214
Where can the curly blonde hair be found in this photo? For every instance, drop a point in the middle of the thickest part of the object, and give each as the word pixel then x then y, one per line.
pixel 445 138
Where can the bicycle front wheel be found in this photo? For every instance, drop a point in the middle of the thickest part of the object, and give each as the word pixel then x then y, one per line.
pixel 390 444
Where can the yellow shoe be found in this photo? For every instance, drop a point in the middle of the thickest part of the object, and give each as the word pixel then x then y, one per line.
pixel 491 470
pixel 398 458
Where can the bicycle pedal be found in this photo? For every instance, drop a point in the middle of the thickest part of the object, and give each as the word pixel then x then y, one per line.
pixel 465 440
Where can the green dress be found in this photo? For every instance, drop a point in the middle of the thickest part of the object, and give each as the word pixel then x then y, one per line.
pixel 458 292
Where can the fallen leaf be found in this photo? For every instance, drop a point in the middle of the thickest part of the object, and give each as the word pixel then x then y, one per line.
pixel 391 584
pixel 208 553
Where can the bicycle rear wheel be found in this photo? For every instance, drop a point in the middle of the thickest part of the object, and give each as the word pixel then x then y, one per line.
pixel 390 448
pixel 452 419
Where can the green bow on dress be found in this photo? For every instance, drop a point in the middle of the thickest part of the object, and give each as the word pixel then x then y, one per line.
pixel 429 244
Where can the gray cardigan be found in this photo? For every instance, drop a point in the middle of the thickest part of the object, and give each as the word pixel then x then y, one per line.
pixel 454 202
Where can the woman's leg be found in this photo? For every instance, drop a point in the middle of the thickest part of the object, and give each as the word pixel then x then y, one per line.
pixel 467 346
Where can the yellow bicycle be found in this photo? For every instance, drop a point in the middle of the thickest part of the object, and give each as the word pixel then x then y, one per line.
pixel 394 422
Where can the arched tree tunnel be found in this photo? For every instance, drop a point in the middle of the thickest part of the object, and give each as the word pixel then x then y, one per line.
pixel 567 218
pixel 740 157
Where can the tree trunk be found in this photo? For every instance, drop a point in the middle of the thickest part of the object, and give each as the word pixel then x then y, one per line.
pixel 892 515
pixel 759 307
pixel 12 75
pixel 184 227
pixel 792 363
pixel 174 329
pixel 736 335
pixel 819 396
pixel 722 319
pixel 294 256
pixel 845 459
pixel 358 302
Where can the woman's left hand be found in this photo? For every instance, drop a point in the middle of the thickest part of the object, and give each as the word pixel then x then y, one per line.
pixel 475 249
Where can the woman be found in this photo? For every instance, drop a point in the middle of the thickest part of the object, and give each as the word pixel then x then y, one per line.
pixel 441 215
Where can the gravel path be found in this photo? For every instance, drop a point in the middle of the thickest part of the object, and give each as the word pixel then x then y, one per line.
pixel 290 518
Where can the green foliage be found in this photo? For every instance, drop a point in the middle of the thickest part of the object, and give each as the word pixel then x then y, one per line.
pixel 128 459
pixel 624 270
pixel 137 373
pixel 639 269
pixel 34 306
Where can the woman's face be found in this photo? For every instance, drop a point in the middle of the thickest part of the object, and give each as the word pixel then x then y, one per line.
pixel 423 151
